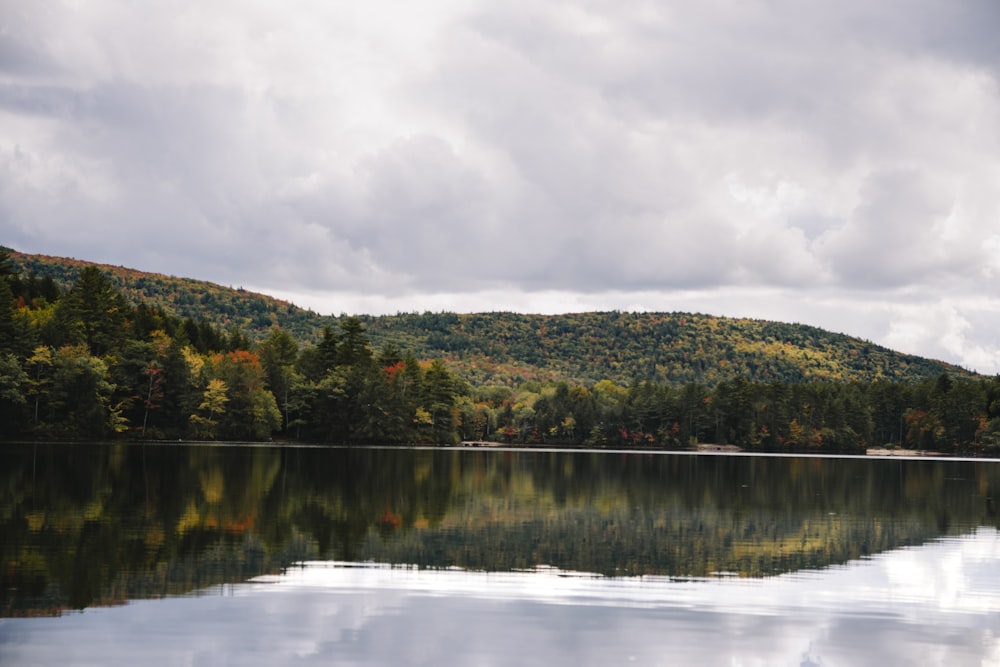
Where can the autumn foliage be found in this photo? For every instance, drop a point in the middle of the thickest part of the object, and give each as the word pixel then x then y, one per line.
pixel 85 359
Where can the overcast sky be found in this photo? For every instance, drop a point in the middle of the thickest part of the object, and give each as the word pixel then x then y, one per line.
pixel 830 163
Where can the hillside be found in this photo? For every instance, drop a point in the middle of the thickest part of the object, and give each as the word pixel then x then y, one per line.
pixel 675 348
pixel 508 348
pixel 225 307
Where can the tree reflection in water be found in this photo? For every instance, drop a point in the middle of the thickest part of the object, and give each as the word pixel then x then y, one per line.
pixel 86 525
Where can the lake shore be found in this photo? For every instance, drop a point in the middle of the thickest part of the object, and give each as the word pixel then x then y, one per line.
pixel 885 451
pixel 705 448
pixel 733 449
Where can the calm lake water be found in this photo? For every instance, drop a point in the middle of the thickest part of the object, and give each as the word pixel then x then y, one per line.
pixel 214 555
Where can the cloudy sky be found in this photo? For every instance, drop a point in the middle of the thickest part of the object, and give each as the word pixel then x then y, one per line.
pixel 830 163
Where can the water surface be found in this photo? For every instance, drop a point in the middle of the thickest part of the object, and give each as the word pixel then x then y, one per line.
pixel 264 555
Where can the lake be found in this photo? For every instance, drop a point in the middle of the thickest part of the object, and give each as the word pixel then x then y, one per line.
pixel 191 554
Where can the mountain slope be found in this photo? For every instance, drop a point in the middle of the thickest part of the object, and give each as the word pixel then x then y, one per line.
pixel 676 348
pixel 507 348
pixel 225 307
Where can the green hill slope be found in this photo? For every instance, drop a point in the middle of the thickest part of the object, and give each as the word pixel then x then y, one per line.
pixel 508 348
pixel 676 348
pixel 225 307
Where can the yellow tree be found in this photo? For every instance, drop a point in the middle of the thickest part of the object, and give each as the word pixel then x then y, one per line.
pixel 212 406
pixel 39 367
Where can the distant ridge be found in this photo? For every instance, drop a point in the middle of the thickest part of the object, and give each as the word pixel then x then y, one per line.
pixel 510 348
pixel 676 348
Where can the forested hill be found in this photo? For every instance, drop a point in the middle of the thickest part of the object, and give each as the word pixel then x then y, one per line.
pixel 508 348
pixel 672 348
pixel 225 307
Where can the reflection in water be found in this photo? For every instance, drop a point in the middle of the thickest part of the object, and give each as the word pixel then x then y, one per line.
pixel 100 525
pixel 930 605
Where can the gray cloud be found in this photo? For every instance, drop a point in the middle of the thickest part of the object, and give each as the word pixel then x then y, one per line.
pixel 588 148
pixel 897 235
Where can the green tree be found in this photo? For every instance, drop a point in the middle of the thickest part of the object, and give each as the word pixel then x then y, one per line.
pixel 8 328
pixel 440 390
pixel 80 398
pixel 7 269
pixel 179 381
pixel 252 412
pixel 278 355
pixel 13 401
pixel 354 349
pixel 93 313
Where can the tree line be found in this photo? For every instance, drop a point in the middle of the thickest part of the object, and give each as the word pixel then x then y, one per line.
pixel 960 416
pixel 84 363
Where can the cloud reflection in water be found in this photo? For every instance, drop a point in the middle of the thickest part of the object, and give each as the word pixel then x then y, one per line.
pixel 938 604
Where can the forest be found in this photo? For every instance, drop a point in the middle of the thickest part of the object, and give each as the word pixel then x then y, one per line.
pixel 509 349
pixel 88 361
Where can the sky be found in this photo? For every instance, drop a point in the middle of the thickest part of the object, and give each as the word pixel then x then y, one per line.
pixel 828 163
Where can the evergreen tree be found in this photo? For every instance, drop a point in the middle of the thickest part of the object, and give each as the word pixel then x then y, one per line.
pixel 13 401
pixel 354 349
pixel 278 355
pixel 9 340
pixel 93 313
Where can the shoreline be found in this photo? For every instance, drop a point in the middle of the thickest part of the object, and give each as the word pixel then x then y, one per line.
pixel 885 451
pixel 700 448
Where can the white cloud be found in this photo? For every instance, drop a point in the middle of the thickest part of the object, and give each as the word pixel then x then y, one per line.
pixel 436 153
